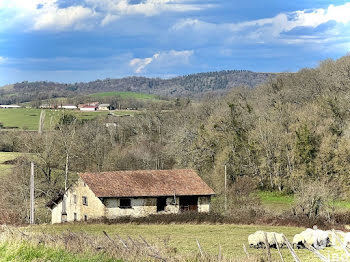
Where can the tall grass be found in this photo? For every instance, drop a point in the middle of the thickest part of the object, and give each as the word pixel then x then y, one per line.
pixel 17 245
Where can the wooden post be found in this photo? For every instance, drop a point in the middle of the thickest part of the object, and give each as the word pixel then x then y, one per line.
pixel 32 221
pixel 267 246
pixel 41 122
pixel 225 188
pixel 278 247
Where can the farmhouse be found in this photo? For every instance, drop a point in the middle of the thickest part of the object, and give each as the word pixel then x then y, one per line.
pixel 67 107
pixel 104 107
pixel 131 193
pixel 88 108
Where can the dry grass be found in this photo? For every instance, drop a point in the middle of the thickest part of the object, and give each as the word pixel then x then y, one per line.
pixel 183 238
pixel 104 246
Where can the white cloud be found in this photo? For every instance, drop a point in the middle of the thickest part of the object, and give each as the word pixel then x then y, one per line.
pixel 47 14
pixel 161 59
pixel 267 28
pixel 147 7
pixel 52 17
pixel 109 19
pixel 140 64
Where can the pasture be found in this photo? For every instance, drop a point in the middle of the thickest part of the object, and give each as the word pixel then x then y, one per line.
pixel 6 156
pixel 125 95
pixel 279 202
pixel 183 237
pixel 28 118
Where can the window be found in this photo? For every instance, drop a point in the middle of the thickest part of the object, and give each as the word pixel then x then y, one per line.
pixel 75 217
pixel 125 203
pixel 75 199
pixel 85 201
pixel 85 217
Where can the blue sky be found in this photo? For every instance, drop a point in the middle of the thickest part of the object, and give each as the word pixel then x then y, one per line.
pixel 83 40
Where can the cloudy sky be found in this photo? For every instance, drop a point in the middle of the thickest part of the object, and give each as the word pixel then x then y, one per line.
pixel 82 40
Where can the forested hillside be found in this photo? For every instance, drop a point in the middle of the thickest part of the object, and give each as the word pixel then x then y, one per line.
pixel 291 135
pixel 196 85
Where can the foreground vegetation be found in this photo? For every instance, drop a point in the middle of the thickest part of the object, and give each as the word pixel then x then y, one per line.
pixel 26 251
pixel 177 242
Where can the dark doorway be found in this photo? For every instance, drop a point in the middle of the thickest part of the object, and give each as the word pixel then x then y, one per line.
pixel 161 203
pixel 189 203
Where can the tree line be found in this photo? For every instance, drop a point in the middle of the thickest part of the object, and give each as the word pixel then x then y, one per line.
pixel 195 85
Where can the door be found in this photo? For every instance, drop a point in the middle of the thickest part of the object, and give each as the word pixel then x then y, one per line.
pixel 161 203
pixel 189 203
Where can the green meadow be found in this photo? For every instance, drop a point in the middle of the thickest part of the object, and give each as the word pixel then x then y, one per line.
pixel 6 156
pixel 28 118
pixel 125 95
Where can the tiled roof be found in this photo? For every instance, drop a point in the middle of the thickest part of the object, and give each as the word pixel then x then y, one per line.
pixel 139 183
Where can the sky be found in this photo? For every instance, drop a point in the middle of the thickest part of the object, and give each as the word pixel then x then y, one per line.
pixel 83 40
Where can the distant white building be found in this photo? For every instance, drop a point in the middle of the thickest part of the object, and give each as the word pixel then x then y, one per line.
pixel 68 107
pixel 104 107
pixel 88 108
pixel 10 106
pixel 47 106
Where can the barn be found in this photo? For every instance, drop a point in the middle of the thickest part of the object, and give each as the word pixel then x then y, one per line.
pixel 131 193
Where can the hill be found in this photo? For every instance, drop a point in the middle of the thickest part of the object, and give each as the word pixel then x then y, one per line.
pixel 195 85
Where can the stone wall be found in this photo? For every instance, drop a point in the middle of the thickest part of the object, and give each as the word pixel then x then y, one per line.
pixel 139 207
pixel 94 208
pixel 204 204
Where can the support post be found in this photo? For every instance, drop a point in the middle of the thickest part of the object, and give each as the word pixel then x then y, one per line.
pixel 225 188
pixel 32 204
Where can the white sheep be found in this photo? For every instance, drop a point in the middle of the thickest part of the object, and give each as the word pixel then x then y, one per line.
pixel 278 239
pixel 298 241
pixel 257 240
pixel 346 239
pixel 314 237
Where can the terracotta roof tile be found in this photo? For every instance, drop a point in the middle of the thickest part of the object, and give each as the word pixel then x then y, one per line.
pixel 138 183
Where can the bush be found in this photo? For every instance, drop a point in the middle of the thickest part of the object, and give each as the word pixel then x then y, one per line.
pixel 315 200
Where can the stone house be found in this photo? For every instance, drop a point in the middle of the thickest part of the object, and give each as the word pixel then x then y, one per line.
pixel 131 193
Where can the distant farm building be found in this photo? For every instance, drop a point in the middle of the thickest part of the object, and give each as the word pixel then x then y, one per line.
pixel 67 107
pixel 131 193
pixel 10 106
pixel 47 106
pixel 104 107
pixel 88 108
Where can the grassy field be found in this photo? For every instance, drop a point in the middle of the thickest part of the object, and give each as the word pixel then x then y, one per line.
pixel 6 156
pixel 28 118
pixel 279 202
pixel 276 201
pixel 26 252
pixel 125 95
pixel 183 237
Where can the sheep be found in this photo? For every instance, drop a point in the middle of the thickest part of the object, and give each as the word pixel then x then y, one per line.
pixel 298 241
pixel 278 239
pixel 257 240
pixel 346 239
pixel 322 238
pixel 313 237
